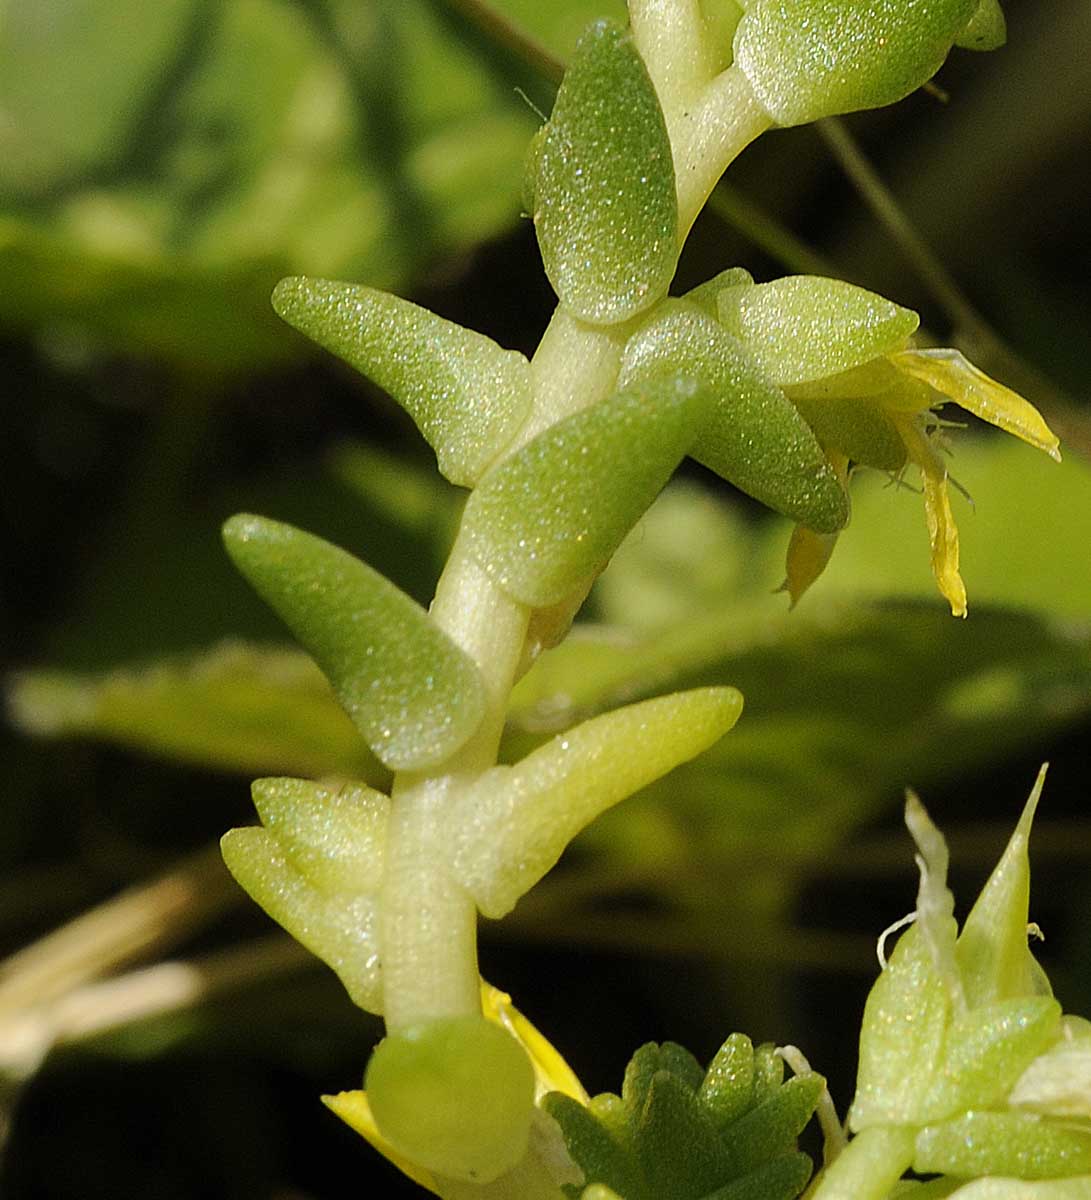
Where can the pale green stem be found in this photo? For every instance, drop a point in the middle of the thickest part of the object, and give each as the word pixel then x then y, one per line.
pixel 709 136
pixel 670 35
pixel 428 920
pixel 869 1166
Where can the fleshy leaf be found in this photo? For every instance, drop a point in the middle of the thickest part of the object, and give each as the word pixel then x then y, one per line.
pixel 340 929
pixel 816 58
pixel 454 1096
pixel 804 327
pixel 902 1037
pixel 1058 1082
pixel 1003 1143
pixel 601 180
pixel 987 1050
pixel 992 952
pixel 705 295
pixel 509 829
pixel 413 694
pixel 334 836
pixel 1019 1189
pixel 547 520
pixel 467 396
pixel 753 436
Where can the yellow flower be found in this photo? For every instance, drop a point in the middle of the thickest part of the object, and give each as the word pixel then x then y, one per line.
pixel 551 1074
pixel 908 382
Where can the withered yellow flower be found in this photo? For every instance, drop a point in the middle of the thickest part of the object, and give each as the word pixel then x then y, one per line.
pixel 913 383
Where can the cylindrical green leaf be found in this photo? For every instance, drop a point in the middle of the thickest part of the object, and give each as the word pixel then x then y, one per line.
pixel 510 829
pixel 342 930
pixel 905 1022
pixel 455 1096
pixel 804 327
pixel 547 520
pixel 334 836
pixel 601 183
pixel 1021 1145
pixel 986 1051
pixel 807 59
pixel 414 695
pixel 752 435
pixel 466 394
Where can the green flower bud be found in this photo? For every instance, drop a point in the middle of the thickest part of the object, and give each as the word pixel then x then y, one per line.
pixel 455 1096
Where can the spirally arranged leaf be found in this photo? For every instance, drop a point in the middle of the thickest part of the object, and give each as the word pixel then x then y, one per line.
pixel 412 692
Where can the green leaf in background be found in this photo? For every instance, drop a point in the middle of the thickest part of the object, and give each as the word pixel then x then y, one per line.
pixel 413 694
pixel 162 172
pixel 239 708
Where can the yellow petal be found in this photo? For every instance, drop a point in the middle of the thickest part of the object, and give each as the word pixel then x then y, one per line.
pixel 942 531
pixel 354 1110
pixel 551 1072
pixel 808 554
pixel 955 377
pixel 808 551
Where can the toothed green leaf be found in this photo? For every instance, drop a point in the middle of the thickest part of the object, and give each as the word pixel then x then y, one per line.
pixel 815 58
pixel 467 396
pixel 601 180
pixel 768 1073
pixel 676 1142
pixel 547 520
pixel 341 929
pixel 753 435
pixel 412 693
pixel 334 836
pixel 600 1157
pixel 771 1127
pixel 510 828
pixel 782 1179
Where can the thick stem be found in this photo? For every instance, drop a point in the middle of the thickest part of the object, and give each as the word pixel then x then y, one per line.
pixel 428 919
pixel 869 1166
pixel 709 136
pixel 670 35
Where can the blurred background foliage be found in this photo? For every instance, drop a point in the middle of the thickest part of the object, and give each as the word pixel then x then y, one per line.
pixel 161 166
